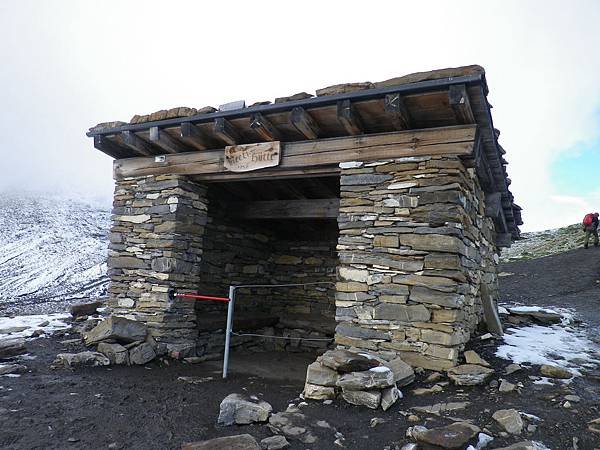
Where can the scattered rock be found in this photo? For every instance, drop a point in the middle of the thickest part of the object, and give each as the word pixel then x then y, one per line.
pixel 424 391
pixel 376 421
pixel 12 347
pixel 545 317
pixel 116 353
pixel 195 380
pixel 510 420
pixel 118 328
pixel 433 377
pixel 12 368
pixel 512 368
pixel 293 425
pixel 573 398
pixel 239 409
pixel 316 392
pixel 531 428
pixel 594 426
pixel 505 386
pixel 370 399
pixel 85 309
pixel 413 418
pixel 441 407
pixel 469 374
pixel 274 443
pixel 555 372
pixel 472 357
pixel 142 354
pixel 389 396
pixel 239 442
pixel 410 446
pixel 525 445
pixel 452 436
pixel 71 360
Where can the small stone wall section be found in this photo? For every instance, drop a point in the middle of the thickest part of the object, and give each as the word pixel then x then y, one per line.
pixel 414 248
pixel 156 244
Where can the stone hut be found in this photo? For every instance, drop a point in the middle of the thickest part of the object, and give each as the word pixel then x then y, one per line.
pixel 384 205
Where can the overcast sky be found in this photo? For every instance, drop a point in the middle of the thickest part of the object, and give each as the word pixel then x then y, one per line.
pixel 67 65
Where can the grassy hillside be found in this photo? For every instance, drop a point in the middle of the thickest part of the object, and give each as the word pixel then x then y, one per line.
pixel 544 243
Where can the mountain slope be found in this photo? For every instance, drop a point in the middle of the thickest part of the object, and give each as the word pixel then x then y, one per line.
pixel 544 243
pixel 51 249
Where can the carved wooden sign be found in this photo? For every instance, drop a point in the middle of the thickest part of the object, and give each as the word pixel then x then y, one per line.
pixel 248 157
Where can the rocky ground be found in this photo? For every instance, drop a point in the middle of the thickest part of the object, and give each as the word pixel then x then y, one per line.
pixel 166 403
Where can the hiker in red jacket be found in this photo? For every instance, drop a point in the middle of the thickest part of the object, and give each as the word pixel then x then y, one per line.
pixel 590 226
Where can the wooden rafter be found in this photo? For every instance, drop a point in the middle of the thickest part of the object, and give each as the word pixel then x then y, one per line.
pixel 193 136
pixel 264 128
pixel 304 123
pixel 226 132
pixel 137 144
pixel 394 106
pixel 164 140
pixel 348 118
pixel 458 98
pixel 109 147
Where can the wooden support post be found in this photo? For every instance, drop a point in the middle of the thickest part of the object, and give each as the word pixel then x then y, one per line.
pixel 394 106
pixel 459 102
pixel 226 132
pixel 286 209
pixel 137 144
pixel 264 128
pixel 305 124
pixel 109 147
pixel 348 118
pixel 193 136
pixel 166 142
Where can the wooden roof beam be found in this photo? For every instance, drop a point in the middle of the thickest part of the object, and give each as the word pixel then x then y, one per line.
pixel 458 98
pixel 111 148
pixel 264 128
pixel 226 132
pixel 287 209
pixel 348 118
pixel 164 140
pixel 137 144
pixel 394 106
pixel 194 137
pixel 305 124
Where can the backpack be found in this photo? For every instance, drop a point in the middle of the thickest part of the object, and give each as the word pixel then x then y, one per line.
pixel 588 220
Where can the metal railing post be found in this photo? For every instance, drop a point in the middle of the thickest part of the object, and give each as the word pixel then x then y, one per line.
pixel 228 330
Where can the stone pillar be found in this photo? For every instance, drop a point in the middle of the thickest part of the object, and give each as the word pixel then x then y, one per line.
pixel 156 244
pixel 414 248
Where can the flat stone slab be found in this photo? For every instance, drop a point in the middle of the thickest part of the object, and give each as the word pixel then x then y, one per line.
pixel 555 372
pixel 84 309
pixel 346 361
pixel 452 436
pixel 375 378
pixel 370 399
pixel 510 420
pixel 239 442
pixel 469 374
pixel 240 409
pixel 116 328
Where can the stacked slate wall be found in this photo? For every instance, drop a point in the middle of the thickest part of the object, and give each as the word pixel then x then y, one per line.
pixel 156 244
pixel 414 248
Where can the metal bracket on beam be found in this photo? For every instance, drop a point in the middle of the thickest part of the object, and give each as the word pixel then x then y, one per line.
pixel 394 105
pixel 458 98
pixel 226 132
pixel 264 128
pixel 348 117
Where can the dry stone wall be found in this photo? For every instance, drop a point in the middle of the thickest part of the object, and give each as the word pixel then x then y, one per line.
pixel 414 248
pixel 155 244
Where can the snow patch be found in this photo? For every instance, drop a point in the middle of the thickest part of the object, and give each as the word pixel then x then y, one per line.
pixel 553 345
pixel 380 369
pixel 48 323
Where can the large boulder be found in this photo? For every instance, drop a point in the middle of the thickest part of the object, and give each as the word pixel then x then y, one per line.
pixel 375 378
pixel 116 328
pixel 116 353
pixel 71 360
pixel 452 436
pixel 239 442
pixel 12 347
pixel 239 409
pixel 316 373
pixel 85 309
pixel 346 361
pixel 469 374
pixel 555 372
